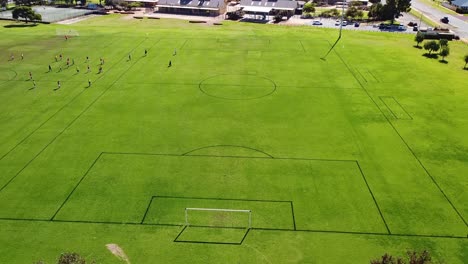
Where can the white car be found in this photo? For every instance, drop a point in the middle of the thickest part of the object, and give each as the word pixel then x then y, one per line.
pixel 316 23
pixel 345 23
pixel 337 23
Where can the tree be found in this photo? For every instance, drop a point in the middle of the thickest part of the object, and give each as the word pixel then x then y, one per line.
pixel 375 11
pixel 466 61
pixel 443 42
pixel 444 52
pixel 419 38
pixel 388 259
pixel 375 1
pixel 393 8
pixel 419 258
pixel 412 257
pixel 71 258
pixel 354 12
pixel 309 7
pixel 431 46
pixel 27 13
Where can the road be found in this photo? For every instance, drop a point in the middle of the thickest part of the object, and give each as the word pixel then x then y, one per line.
pixel 456 23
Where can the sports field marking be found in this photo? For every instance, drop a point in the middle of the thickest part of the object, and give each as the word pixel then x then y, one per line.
pixel 268 214
pixel 66 127
pixel 223 147
pixel 346 174
pixel 395 108
pixel 237 86
pixel 210 235
pixel 404 142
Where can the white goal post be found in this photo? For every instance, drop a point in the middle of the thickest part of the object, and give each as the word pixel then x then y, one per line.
pixel 67 32
pixel 249 212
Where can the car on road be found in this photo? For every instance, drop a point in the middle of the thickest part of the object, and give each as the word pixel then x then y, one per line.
pixel 401 28
pixel 345 23
pixel 356 24
pixel 337 23
pixel 444 20
pixel 415 28
pixel 316 23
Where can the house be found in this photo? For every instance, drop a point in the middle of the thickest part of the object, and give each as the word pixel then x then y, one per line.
pixel 268 7
pixel 192 7
pixel 461 4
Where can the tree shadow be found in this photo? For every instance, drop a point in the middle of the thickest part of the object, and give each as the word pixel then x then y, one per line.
pixel 20 25
pixel 431 56
pixel 443 61
pixel 417 47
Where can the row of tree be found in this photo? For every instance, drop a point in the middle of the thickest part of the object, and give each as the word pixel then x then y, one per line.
pixel 412 257
pixel 433 47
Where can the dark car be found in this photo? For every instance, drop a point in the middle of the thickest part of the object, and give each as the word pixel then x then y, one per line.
pixel 356 24
pixel 415 28
pixel 444 20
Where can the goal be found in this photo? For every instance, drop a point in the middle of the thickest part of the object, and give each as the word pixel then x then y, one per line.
pixel 217 217
pixel 67 32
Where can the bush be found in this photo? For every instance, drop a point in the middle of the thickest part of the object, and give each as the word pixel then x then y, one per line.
pixel 309 7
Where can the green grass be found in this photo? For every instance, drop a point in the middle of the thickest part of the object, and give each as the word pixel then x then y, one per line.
pixel 367 148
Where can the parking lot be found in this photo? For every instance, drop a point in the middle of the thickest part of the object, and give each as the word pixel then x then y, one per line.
pixel 333 23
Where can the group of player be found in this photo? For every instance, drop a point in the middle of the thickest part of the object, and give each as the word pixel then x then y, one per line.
pixel 71 62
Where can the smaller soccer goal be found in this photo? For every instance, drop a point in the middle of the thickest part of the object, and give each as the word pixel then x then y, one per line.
pixel 217 217
pixel 67 32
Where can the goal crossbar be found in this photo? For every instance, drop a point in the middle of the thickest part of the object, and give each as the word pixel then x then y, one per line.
pixel 187 209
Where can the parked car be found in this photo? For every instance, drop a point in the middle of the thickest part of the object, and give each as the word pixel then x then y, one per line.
pixel 401 28
pixel 415 28
pixel 337 23
pixel 316 23
pixel 345 23
pixel 356 24
pixel 444 20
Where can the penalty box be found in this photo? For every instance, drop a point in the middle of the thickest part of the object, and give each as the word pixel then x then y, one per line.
pixel 328 195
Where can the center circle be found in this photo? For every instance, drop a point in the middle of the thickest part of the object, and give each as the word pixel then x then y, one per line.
pixel 7 75
pixel 237 86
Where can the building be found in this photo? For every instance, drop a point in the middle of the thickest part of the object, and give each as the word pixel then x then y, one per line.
pixel 192 7
pixel 461 4
pixel 268 7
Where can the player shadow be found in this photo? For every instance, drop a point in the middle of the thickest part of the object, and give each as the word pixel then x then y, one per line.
pixel 32 88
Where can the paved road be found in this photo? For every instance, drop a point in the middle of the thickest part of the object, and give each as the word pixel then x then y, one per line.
pixel 456 23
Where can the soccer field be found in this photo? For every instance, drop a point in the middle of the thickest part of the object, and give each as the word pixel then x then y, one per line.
pixel 335 160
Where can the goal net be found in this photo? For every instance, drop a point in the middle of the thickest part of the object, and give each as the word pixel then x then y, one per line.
pixel 217 217
pixel 67 32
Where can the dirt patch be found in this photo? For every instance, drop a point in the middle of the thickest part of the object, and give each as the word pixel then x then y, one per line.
pixel 118 252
